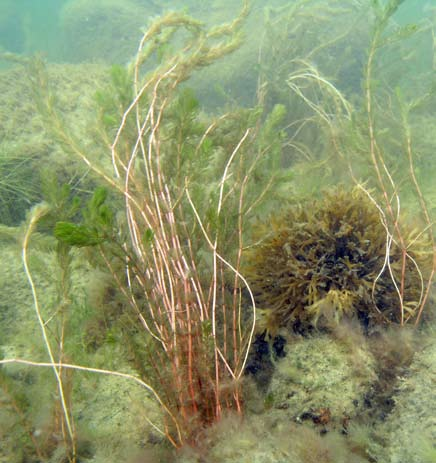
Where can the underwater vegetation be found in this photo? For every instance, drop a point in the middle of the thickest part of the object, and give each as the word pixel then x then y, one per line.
pixel 321 261
pixel 17 185
pixel 198 226
pixel 169 257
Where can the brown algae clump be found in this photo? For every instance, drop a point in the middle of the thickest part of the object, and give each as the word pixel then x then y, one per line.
pixel 326 259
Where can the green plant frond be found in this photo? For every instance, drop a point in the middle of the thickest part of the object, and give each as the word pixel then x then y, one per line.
pixel 77 235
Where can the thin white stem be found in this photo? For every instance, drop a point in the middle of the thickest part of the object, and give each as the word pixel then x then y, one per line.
pixel 233 269
pixel 37 213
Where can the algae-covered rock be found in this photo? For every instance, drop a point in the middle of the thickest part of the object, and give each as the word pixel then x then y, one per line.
pixel 115 415
pixel 74 86
pixel 262 440
pixel 321 380
pixel 315 392
pixel 411 427
pixel 25 146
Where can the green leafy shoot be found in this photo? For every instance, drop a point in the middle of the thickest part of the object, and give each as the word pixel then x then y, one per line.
pixel 77 235
pixel 97 226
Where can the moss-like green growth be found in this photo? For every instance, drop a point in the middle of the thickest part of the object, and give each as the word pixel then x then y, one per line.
pixel 98 228
pixel 326 259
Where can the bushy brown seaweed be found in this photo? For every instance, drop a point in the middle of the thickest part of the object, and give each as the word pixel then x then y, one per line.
pixel 326 259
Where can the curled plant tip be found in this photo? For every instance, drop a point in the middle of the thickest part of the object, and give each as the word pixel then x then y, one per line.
pixel 38 211
pixel 34 216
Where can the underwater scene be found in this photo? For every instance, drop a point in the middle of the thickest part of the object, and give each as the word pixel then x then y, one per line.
pixel 217 231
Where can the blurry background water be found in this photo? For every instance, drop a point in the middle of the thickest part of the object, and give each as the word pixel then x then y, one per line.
pixel 27 26
pixel 55 27
pixel 108 31
pixel 58 28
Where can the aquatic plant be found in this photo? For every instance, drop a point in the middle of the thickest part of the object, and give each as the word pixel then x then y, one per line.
pixel 390 206
pixel 170 256
pixel 171 225
pixel 18 186
pixel 297 35
pixel 355 138
pixel 324 260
